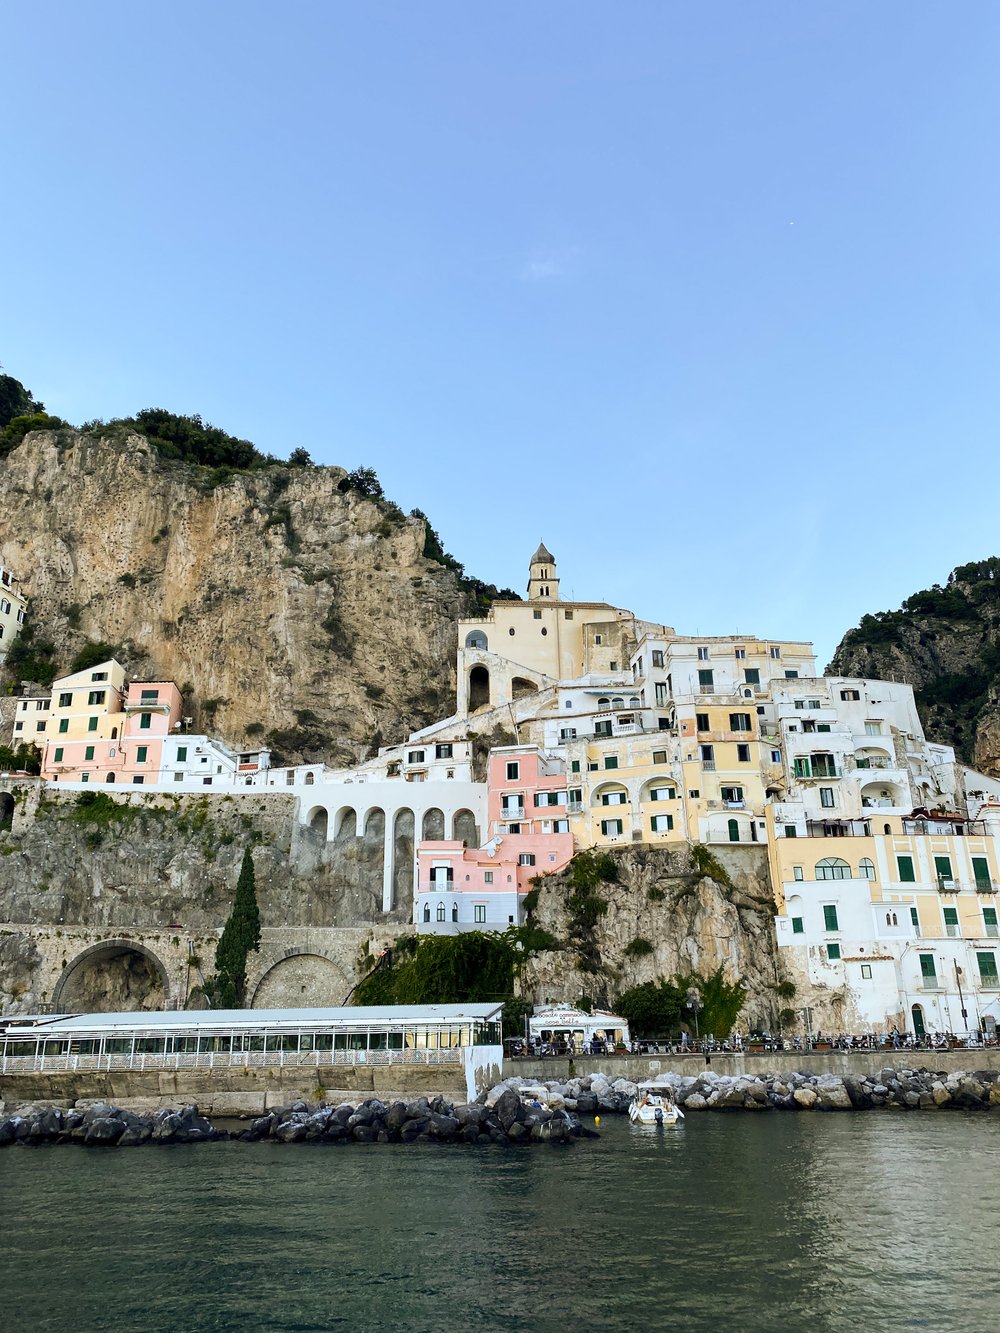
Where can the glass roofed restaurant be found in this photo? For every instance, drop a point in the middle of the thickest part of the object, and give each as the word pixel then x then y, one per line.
pixel 403 1034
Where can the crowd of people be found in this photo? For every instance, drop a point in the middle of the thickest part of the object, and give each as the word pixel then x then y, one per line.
pixel 737 1043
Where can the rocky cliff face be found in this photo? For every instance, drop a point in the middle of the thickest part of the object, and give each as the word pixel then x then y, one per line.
pixel 945 642
pixel 685 923
pixel 288 608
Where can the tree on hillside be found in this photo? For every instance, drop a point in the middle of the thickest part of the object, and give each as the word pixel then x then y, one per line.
pixel 240 938
pixel 16 400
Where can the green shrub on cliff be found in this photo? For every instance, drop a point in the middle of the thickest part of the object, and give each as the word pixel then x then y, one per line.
pixel 659 1009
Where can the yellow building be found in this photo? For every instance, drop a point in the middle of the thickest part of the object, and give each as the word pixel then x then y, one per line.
pixel 87 707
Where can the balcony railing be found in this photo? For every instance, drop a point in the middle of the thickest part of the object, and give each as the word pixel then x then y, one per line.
pixel 575 807
pixel 989 982
pixel 512 812
pixel 929 983
pixel 819 774
pixel 875 761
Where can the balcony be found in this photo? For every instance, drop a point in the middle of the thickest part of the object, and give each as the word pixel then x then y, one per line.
pixel 814 774
pixel 510 813
pixel 988 982
pixel 575 807
pixel 735 805
pixel 929 984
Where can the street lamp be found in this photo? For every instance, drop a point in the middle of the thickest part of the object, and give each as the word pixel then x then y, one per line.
pixel 693 1002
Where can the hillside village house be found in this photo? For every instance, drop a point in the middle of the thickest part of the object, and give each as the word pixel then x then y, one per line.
pixel 13 605
pixel 578 725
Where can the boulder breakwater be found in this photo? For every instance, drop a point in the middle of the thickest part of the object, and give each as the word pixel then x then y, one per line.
pixel 506 1119
pixel 902 1089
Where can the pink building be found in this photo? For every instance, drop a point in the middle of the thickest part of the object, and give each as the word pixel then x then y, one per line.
pixel 152 708
pixel 462 888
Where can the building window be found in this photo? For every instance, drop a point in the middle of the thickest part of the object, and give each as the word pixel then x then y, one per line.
pixel 58 755
pixel 659 756
pixel 706 681
pixel 833 951
pixel 775 651
pixel 800 704
pixel 751 675
pixel 739 722
pixel 987 961
pixel 740 654
pixel 850 696
pixel 613 798
pixel 96 697
pixel 743 753
pixel 990 921
pixel 942 868
pixel 440 911
pixel 537 615
pixel 663 793
pixel 702 654
pixel 657 657
pixel 797 872
pixel 526 859
pixel 866 971
pixel 707 755
pixel 92 724
pixel 182 753
pixel 479 914
pixel 140 753
pixel 951 921
pixel 662 823
pixel 866 868
pixel 138 780
pixel 928 970
pixel 427 911
pixel 694 793
pixel 905 867
pixel 145 721
pixel 40 726
pixel 611 827
pixel 873 728
pixel 415 757
pixel 734 830
pixel 610 761
pixel 732 793
pixel 598 639
pixel 487 876
pixel 915 920
pixel 444 751
pixel 513 771
pixel 826 797
pixel 65 700
pixel 830 917
pixel 832 867
pixel 63 725
pixel 791 675
pixel 574 766
pixel 98 675
pixel 981 872
pixel 798 927
pixel 88 753
pixel 568 615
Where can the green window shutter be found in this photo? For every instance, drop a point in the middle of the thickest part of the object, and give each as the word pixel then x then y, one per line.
pixel 989 916
pixel 951 916
pixel 942 867
pixel 981 870
pixel 928 969
pixel 182 753
pixel 830 918
pixel 92 724
pixel 915 917
pixel 611 761
pixel 145 719
pixel 798 927
pixel 58 754
pixel 987 965
pixel 905 864
pixel 140 754
pixel 833 951
pixel 706 678
pixel 88 752
pixel 63 725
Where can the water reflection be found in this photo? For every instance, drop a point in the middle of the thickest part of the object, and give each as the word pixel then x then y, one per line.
pixel 814 1220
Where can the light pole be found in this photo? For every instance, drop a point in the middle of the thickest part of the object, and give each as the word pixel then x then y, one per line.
pixel 693 1002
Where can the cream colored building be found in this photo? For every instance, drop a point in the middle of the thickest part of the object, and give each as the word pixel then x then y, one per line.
pixel 13 606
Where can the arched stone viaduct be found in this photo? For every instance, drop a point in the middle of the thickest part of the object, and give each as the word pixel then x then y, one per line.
pixel 400 812
pixel 80 970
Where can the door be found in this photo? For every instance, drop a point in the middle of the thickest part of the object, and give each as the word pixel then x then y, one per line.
pixel 918 1020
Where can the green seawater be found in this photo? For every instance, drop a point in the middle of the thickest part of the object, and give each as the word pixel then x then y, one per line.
pixel 807 1221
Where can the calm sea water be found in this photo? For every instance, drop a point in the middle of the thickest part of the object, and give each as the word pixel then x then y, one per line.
pixel 822 1222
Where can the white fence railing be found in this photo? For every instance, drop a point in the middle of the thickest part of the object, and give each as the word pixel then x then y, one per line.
pixel 28 1064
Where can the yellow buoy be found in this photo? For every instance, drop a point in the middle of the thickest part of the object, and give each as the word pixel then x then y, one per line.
pixel 597 1119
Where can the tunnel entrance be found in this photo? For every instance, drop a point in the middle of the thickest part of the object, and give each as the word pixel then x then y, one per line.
pixel 118 976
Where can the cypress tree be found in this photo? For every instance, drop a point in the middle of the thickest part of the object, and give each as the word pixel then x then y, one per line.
pixel 240 938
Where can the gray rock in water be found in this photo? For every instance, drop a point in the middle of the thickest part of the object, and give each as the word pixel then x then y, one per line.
pixel 104 1131
pixel 508 1110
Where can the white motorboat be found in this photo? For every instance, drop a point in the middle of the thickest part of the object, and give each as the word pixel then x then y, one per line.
pixel 653 1105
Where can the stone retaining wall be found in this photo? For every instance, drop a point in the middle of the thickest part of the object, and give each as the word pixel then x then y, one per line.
pixel 638 1068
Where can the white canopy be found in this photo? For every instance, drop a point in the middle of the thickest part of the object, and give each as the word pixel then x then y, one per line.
pixel 563 1018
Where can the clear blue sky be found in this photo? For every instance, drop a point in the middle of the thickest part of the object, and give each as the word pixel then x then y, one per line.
pixel 703 295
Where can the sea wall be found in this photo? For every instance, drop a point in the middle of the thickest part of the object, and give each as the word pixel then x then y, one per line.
pixel 638 1068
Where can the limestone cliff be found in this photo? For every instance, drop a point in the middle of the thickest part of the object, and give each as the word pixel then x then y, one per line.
pixel 287 607
pixel 662 918
pixel 945 642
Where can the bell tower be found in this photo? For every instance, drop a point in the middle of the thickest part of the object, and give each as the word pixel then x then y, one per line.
pixel 543 582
